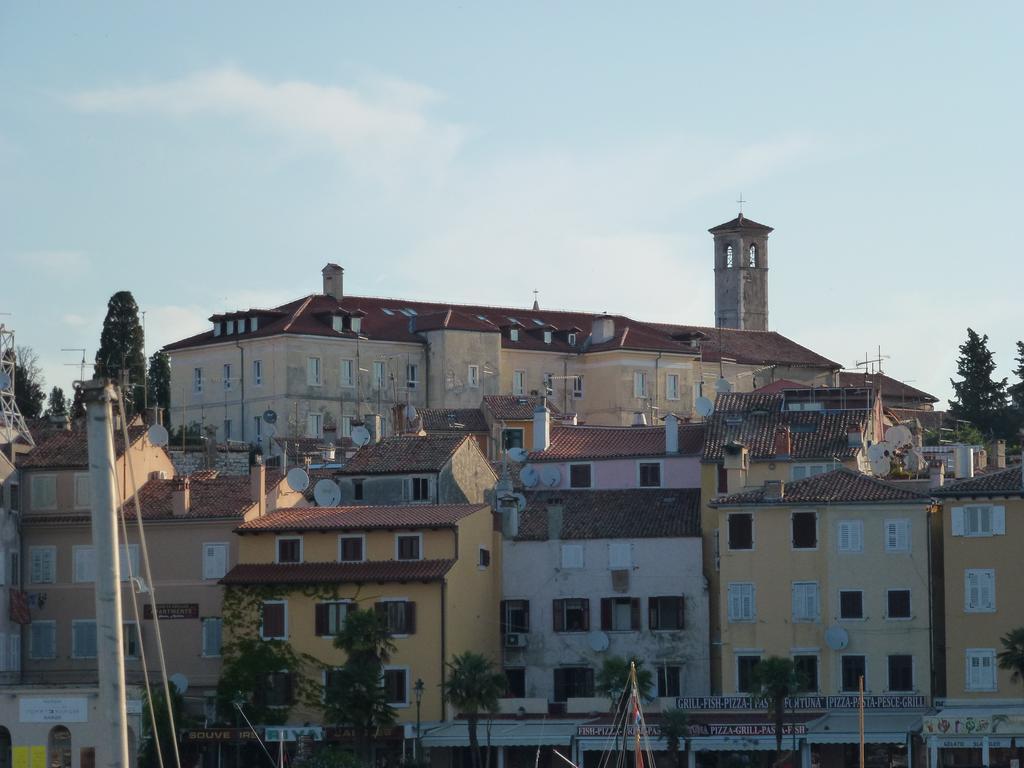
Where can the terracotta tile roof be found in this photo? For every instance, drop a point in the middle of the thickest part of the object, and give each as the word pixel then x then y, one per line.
pixel 891 389
pixel 840 486
pixel 747 347
pixel 362 518
pixel 779 386
pixel 380 571
pixel 928 419
pixel 740 222
pixel 406 453
pixel 514 407
pixel 453 420
pixel 210 496
pixel 591 442
pixel 1004 482
pixel 635 513
pixel 68 449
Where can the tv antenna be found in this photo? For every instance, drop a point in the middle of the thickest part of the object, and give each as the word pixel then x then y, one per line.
pixel 871 362
pixel 81 365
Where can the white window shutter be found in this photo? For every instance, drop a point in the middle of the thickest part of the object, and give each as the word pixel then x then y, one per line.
pixel 750 602
pixel 845 532
pixel 14 653
pixel 857 536
pixel 406 489
pixel 4 659
pixel 796 601
pixel 971 590
pixel 904 535
pixel 998 520
pixel 958 521
pixel 988 589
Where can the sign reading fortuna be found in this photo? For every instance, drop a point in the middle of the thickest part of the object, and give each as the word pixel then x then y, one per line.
pixel 845 701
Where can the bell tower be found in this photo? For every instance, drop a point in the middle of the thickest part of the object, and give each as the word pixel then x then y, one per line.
pixel 741 274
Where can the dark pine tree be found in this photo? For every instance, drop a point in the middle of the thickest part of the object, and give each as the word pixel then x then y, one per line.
pixel 120 356
pixel 979 398
pixel 57 405
pixel 28 383
pixel 78 405
pixel 1016 392
pixel 159 381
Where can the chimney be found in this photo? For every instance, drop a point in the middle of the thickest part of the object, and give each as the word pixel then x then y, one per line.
pixel 554 522
pixel 181 497
pixel 964 461
pixel 671 434
pixel 156 415
pixel 541 427
pixel 211 446
pixel 639 419
pixel 997 454
pixel 258 483
pixel 602 330
pixel 333 281
pixel 783 443
pixel 854 437
pixel 774 490
pixel 61 421
pixel 735 464
pixel 936 474
pixel 374 423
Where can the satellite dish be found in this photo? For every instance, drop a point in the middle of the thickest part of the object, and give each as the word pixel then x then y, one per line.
pixel 158 435
pixel 360 436
pixel 270 416
pixel 297 479
pixel 410 412
pixel 837 638
pixel 530 476
pixel 899 436
pixel 326 493
pixel 518 455
pixel 722 386
pixel 520 501
pixel 550 476
pixel 598 641
pixel 881 466
pixel 5 380
pixel 882 449
pixel 705 406
pixel 180 682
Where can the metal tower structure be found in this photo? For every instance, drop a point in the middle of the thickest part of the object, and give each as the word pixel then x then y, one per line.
pixel 12 423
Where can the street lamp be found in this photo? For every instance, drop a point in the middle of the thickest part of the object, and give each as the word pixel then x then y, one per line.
pixel 417 688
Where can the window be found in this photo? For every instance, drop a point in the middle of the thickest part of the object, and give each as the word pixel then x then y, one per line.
pixel 14 496
pixel 215 561
pixel 515 616
pixel 979 590
pixel 329 618
pixel 419 488
pixel 314 424
pixel 211 636
pixel 483 557
pixel 399 616
pixel 511 438
pixel 672 386
pixel 44 492
pixel 84 562
pixel 979 520
pixel 669 677
pixel 229 327
pixel 357 489
pixel 346 426
pixel 130 636
pixel 277 690
pixel 853 668
pixel 741 602
pixel 901 672
pixel 226 378
pixel 649 474
pixel 257 428
pixel 257 373
pixel 83 639
pixel 412 375
pixel 549 383
pixel 571 339
pixel 42 640
pixel 573 683
pixel 197 380
pixel 313 371
pixel 851 536
pixel 518 382
pixel 728 257
pixel 348 373
pixel 15 569
pixel 227 429
pixel 805 601
pixel 897 535
pixel 851 604
pixel 547 337
pixel 82 492
pixel 741 530
pixel 274 625
pixel 473 377
pixel 753 255
pixel 577 387
pixel 981 669
pixel 580 475
pixel 513 334
pixel 665 612
pixel 571 615
pixel 289 549
pixel 807 670
pixel 396 686
pixel 408 546
pixel 379 374
pixel 572 555
pixel 805 530
pixel 620 614
pixel 515 683
pixel 620 555
pixel 745 666
pixel 898 604
pixel 350 549
pixel 639 384
pixel 803 471
pixel 42 565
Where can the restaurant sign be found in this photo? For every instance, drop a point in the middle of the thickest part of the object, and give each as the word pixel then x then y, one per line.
pixel 845 701
pixel 276 733
pixel 218 734
pixel 172 611
pixel 695 729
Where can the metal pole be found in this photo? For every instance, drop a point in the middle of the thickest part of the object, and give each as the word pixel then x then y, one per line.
pixel 112 744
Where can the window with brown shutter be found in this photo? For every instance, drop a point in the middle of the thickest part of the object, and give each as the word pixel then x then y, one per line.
pixel 571 614
pixel 666 612
pixel 330 617
pixel 620 614
pixel 398 616
pixel 274 621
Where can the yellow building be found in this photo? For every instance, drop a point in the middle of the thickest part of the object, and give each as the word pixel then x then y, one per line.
pixel 432 571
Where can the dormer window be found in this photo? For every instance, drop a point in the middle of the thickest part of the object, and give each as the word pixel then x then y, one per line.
pixel 253 323
pixel 357 324
pixel 572 339
pixel 230 327
pixel 338 323
pixel 547 337
pixel 728 257
pixel 513 334
pixel 216 328
pixel 753 255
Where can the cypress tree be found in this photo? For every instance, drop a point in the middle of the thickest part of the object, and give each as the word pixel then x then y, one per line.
pixel 57 405
pixel 120 356
pixel 980 399
pixel 159 381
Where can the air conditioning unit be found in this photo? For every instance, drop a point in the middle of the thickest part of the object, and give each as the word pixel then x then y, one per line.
pixel 515 640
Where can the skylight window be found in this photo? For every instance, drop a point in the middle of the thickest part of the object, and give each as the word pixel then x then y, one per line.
pixel 409 311
pixel 537 322
pixel 481 317
pixel 514 321
pixel 388 311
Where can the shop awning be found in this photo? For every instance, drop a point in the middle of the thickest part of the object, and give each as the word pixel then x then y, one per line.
pixel 879 728
pixel 504 733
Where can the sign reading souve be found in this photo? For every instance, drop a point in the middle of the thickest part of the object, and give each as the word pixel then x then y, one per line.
pixel 846 701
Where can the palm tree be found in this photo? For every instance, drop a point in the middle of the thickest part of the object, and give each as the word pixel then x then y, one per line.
pixel 675 727
pixel 613 679
pixel 775 680
pixel 473 686
pixel 1012 658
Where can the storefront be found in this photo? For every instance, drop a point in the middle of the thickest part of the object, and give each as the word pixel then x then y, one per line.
pixel 516 743
pixel 889 740
pixel 972 737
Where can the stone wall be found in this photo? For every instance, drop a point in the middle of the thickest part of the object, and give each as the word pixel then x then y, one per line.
pixel 227 462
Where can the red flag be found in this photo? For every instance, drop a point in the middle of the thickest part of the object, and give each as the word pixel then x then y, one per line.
pixel 18 612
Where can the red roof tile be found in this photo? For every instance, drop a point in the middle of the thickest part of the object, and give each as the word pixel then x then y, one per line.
pixel 1004 482
pixel 362 518
pixel 891 389
pixel 210 496
pixel 840 486
pixel 405 454
pixel 453 420
pixel 514 407
pixel 635 513
pixel 747 347
pixel 68 449
pixel 592 442
pixel 740 222
pixel 380 571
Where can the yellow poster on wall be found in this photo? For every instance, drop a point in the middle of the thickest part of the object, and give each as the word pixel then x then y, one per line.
pixel 38 756
pixel 20 755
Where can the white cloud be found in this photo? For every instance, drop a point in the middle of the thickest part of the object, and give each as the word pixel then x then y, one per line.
pixel 55 263
pixel 75 321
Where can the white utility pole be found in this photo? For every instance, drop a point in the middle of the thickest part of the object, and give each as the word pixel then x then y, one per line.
pixel 112 740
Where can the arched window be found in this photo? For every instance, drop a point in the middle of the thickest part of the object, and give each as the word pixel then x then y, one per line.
pixel 59 748
pixel 728 257
pixel 753 255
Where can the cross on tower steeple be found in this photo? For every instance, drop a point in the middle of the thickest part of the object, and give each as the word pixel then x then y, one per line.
pixel 741 201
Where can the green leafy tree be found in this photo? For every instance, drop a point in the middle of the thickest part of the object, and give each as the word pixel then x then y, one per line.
pixel 1011 658
pixel 28 383
pixel 354 695
pixel 775 680
pixel 1016 391
pixel 159 381
pixel 56 405
pixel 980 399
pixel 675 727
pixel 120 355
pixel 164 736
pixel 251 666
pixel 473 687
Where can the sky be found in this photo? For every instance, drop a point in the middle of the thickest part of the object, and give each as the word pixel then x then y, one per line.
pixel 214 156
